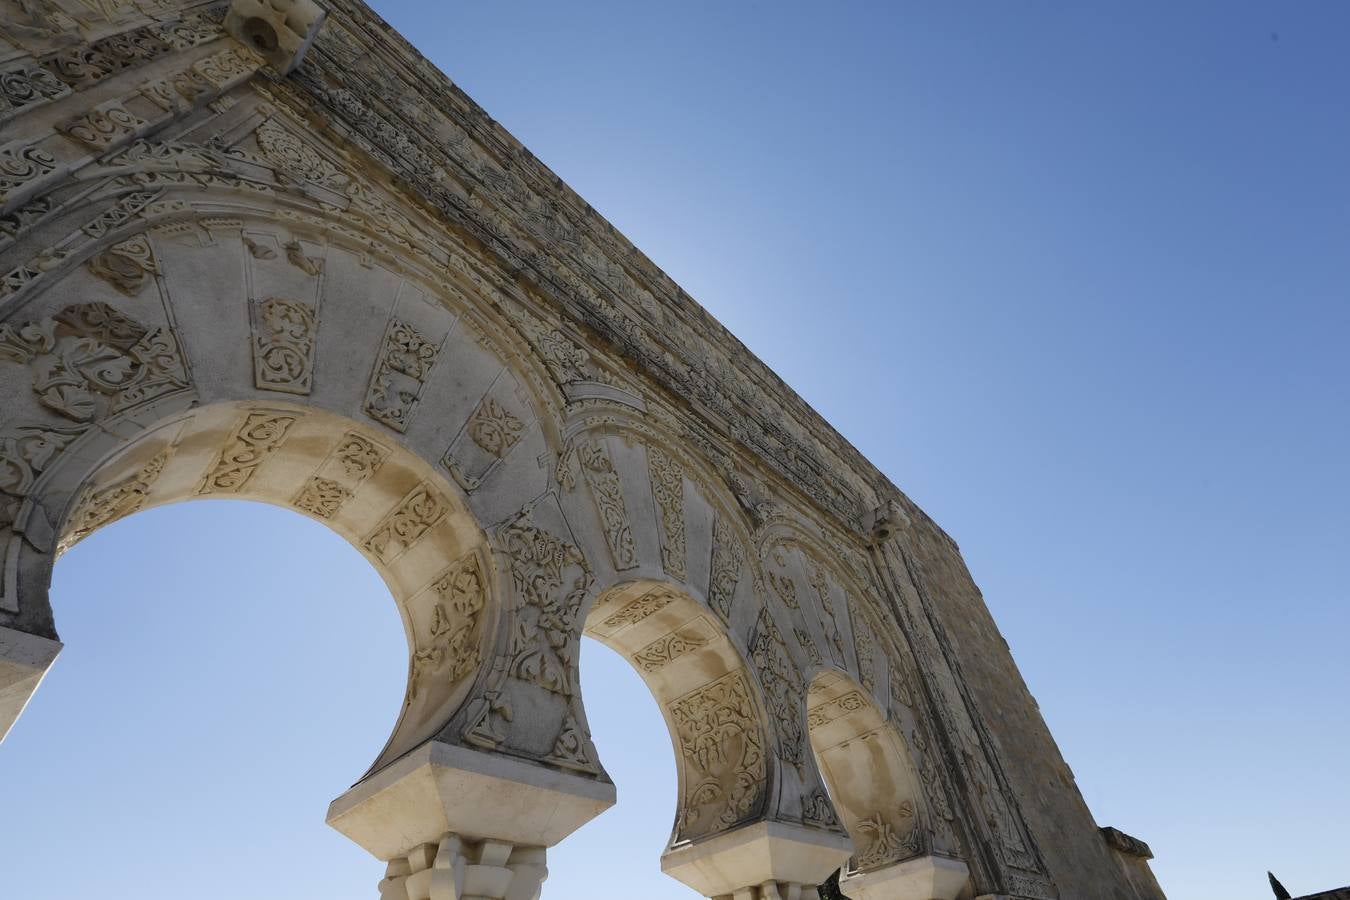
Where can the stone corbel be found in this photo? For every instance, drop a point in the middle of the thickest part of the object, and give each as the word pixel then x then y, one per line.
pixel 453 823
pixel 760 861
pixel 885 522
pixel 280 30
pixel 923 878
pixel 24 660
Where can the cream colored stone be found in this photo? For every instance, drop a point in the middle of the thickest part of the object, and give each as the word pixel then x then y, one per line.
pixel 923 878
pixel 739 862
pixel 24 661
pixel 342 288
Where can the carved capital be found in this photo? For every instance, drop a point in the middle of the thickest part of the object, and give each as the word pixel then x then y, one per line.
pixel 24 660
pixel 922 878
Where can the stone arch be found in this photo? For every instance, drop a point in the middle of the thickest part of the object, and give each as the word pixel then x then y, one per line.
pixel 125 362
pixel 878 792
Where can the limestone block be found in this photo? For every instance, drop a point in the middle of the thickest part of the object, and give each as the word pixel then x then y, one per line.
pixel 761 861
pixel 281 30
pixel 924 878
pixel 440 789
pixel 24 660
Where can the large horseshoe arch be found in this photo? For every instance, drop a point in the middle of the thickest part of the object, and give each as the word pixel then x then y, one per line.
pixel 265 250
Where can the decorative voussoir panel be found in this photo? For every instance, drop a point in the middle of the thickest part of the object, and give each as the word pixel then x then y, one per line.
pixel 401 371
pixel 721 745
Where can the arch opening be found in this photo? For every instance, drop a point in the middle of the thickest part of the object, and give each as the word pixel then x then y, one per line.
pixel 381 498
pixel 706 694
pixel 241 681
pixel 870 774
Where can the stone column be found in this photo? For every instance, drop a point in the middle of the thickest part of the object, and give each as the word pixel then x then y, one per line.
pixel 922 878
pixel 760 861
pixel 24 660
pixel 453 823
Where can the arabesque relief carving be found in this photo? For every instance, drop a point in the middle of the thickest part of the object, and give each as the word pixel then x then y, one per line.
pixel 415 514
pixel 494 428
pixel 722 753
pixel 126 265
pixel 90 361
pixel 256 438
pixel 890 838
pixel 728 561
pixel 448 650
pixel 668 491
pixel 688 638
pixel 782 687
pixel 283 345
pixel 405 361
pixel 608 492
pixel 116 501
pixel 639 609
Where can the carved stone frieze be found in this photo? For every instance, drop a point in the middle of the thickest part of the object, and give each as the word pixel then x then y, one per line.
pixel 494 428
pixel 639 609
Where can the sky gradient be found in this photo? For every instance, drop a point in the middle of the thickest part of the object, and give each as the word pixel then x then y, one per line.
pixel 1075 277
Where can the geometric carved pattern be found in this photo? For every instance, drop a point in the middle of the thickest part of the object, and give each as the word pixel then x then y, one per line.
pixel 260 434
pixel 283 345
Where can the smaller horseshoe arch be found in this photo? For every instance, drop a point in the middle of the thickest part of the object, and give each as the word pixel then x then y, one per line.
pixel 877 793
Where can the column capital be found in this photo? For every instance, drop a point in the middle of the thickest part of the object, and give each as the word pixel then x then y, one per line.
pixel 441 789
pixel 24 660
pixel 762 860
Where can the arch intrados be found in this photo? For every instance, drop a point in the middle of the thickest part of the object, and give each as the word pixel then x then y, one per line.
pixel 700 677
pixel 869 771
pixel 374 486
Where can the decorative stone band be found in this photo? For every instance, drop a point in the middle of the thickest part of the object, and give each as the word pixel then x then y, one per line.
pixel 760 861
pixel 441 789
pixel 24 660
pixel 456 869
pixel 922 878
pixel 1127 844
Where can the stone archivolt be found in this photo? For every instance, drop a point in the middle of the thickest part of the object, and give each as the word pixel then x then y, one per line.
pixel 416 334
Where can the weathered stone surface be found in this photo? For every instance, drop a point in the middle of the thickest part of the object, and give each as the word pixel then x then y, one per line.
pixel 249 252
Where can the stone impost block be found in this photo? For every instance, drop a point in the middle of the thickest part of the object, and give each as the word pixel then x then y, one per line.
pixel 760 861
pixel 24 660
pixel 924 878
pixel 441 789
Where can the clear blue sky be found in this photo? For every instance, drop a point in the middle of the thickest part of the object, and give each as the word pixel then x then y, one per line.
pixel 1076 278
